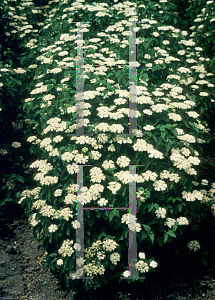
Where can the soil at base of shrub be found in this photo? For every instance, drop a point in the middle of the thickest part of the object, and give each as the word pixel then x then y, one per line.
pixel 22 275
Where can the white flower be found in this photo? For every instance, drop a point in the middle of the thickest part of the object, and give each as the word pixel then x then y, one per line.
pixel 193 245
pixel 126 273
pixel 52 228
pixel 182 221
pixel 16 144
pixel 204 182
pixel 170 222
pixel 153 264
pixel 114 258
pixel 142 255
pixel 102 202
pixel 161 212
pixel 80 261
pixel 76 224
pixel 59 262
pixel 58 193
pixel 142 266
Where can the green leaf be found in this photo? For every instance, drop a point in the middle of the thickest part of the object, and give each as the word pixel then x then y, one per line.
pixel 87 231
pixel 91 221
pixel 112 266
pixel 147 194
pixel 101 234
pixel 183 180
pixel 45 265
pixel 143 236
pixel 163 134
pixel 109 237
pixel 171 233
pixel 205 252
pixel 151 237
pixel 21 179
pixel 180 207
pixel 53 254
pixel 99 214
pixel 49 87
pixel 165 238
pixel 156 206
pixel 160 241
pixel 111 215
pixel 204 262
pixel 150 207
pixel 116 212
pixel 147 228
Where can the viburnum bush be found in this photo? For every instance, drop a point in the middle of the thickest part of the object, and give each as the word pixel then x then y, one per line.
pixel 173 89
pixel 14 152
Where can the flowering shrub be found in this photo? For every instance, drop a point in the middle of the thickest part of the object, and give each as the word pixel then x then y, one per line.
pixel 14 152
pixel 172 89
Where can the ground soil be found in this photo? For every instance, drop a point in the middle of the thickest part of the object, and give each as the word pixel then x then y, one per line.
pixel 22 275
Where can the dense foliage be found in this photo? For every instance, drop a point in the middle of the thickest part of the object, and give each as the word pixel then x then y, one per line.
pixel 175 109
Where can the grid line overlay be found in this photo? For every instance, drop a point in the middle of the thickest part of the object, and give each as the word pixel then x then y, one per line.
pixel 132 251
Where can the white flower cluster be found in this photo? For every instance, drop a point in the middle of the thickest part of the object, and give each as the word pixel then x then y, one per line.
pixel 160 185
pixel 60 262
pixel 58 192
pixel 70 199
pixel 114 258
pixel 130 220
pixel 172 177
pixel 182 221
pixel 3 151
pixel 161 212
pixel 42 166
pixel 16 144
pixel 109 245
pixel 141 145
pixel 96 175
pixel 33 221
pixel 66 249
pixel 55 125
pixel 94 269
pixel 52 228
pixel 142 266
pixel 195 195
pixel 114 186
pixel 38 204
pixel 170 222
pixel 47 180
pixel 193 245
pixel 42 89
pixel 182 163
